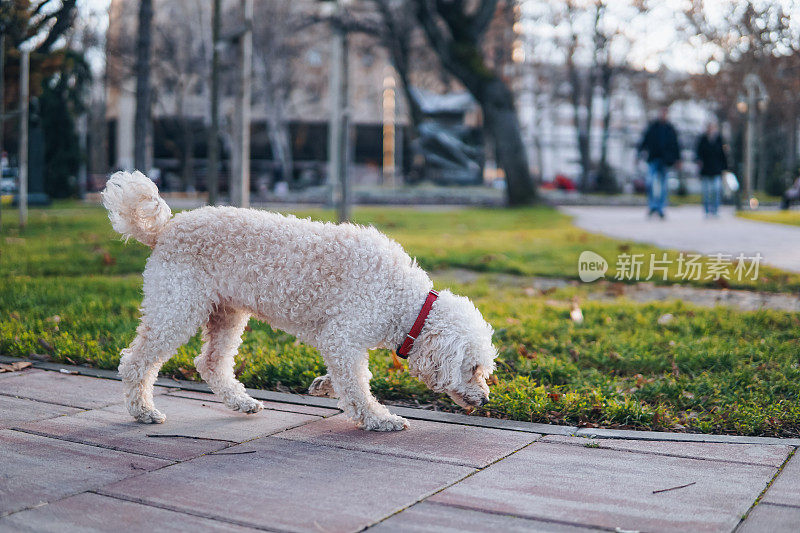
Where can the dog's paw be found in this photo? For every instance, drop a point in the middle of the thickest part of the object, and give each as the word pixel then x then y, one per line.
pixel 322 386
pixel 246 405
pixel 387 423
pixel 152 416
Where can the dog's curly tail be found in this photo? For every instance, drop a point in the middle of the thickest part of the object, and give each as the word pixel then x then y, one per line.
pixel 134 207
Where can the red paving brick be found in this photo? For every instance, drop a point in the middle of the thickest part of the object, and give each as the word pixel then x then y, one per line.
pixel 39 469
pixel 768 455
pixel 293 485
pixel 435 518
pixel 89 512
pixel 786 488
pixel 215 425
pixel 768 518
pixel 609 488
pixel 450 443
pixel 14 411
pixel 75 391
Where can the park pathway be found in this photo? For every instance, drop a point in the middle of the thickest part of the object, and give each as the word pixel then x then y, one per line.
pixel 72 460
pixel 686 229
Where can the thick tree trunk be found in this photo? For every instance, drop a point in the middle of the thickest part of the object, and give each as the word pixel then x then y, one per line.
pixel 460 53
pixel 143 90
pixel 502 125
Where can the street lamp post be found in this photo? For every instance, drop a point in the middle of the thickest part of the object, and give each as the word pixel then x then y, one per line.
pixel 22 192
pixel 240 164
pixel 756 96
pixel 338 131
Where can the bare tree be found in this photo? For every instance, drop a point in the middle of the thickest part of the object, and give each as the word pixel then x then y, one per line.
pixel 455 33
pixel 276 47
pixel 760 38
pixel 181 64
pixel 142 123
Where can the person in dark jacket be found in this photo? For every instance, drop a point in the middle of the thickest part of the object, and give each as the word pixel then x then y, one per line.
pixel 660 143
pixel 712 160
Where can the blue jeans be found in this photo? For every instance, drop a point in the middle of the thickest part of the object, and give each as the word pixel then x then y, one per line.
pixel 712 189
pixel 657 186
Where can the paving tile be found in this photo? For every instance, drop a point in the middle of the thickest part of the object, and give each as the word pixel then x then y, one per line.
pixel 610 488
pixel 292 485
pixel 768 455
pixel 38 469
pixel 682 437
pixel 786 488
pixel 29 370
pixel 14 411
pixel 449 443
pixel 214 425
pixel 65 389
pixel 436 518
pixel 482 421
pixel 772 518
pixel 294 408
pixel 93 513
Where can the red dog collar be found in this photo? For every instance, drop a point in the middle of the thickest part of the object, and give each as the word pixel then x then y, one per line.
pixel 405 347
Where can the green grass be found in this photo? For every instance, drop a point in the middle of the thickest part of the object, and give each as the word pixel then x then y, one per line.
pixel 70 290
pixel 75 240
pixel 791 218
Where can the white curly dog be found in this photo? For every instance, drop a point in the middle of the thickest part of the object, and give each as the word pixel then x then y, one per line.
pixel 341 288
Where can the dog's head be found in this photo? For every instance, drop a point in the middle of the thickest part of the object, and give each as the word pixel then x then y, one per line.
pixel 454 351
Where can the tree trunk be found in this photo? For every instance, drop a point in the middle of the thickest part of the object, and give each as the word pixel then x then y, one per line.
pixel 143 89
pixel 606 80
pixel 502 124
pixel 460 53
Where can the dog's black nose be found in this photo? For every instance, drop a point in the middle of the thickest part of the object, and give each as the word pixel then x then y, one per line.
pixel 484 401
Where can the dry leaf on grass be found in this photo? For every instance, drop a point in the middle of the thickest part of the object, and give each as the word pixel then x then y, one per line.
pixel 14 367
pixel 397 364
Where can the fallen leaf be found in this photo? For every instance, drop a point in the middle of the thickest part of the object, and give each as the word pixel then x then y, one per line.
pixel 492 380
pixel 108 259
pixel 14 367
pixel 522 350
pixel 397 364
pixel 187 374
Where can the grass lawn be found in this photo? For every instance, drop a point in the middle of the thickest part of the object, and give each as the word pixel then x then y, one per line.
pixel 70 289
pixel 778 217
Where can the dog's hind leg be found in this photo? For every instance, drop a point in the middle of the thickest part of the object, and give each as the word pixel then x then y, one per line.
pixel 156 341
pixel 222 336
pixel 173 308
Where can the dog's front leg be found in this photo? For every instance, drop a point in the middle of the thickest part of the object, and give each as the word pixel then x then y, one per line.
pixel 350 376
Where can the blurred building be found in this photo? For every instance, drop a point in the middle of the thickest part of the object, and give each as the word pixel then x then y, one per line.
pixel 182 50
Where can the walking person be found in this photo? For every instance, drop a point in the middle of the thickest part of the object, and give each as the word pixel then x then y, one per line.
pixel 660 142
pixel 713 161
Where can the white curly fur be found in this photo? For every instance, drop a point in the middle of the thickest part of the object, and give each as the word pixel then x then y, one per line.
pixel 342 288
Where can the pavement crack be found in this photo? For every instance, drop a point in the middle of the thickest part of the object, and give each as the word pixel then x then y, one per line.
pixel 457 481
pixel 176 509
pixel 763 492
